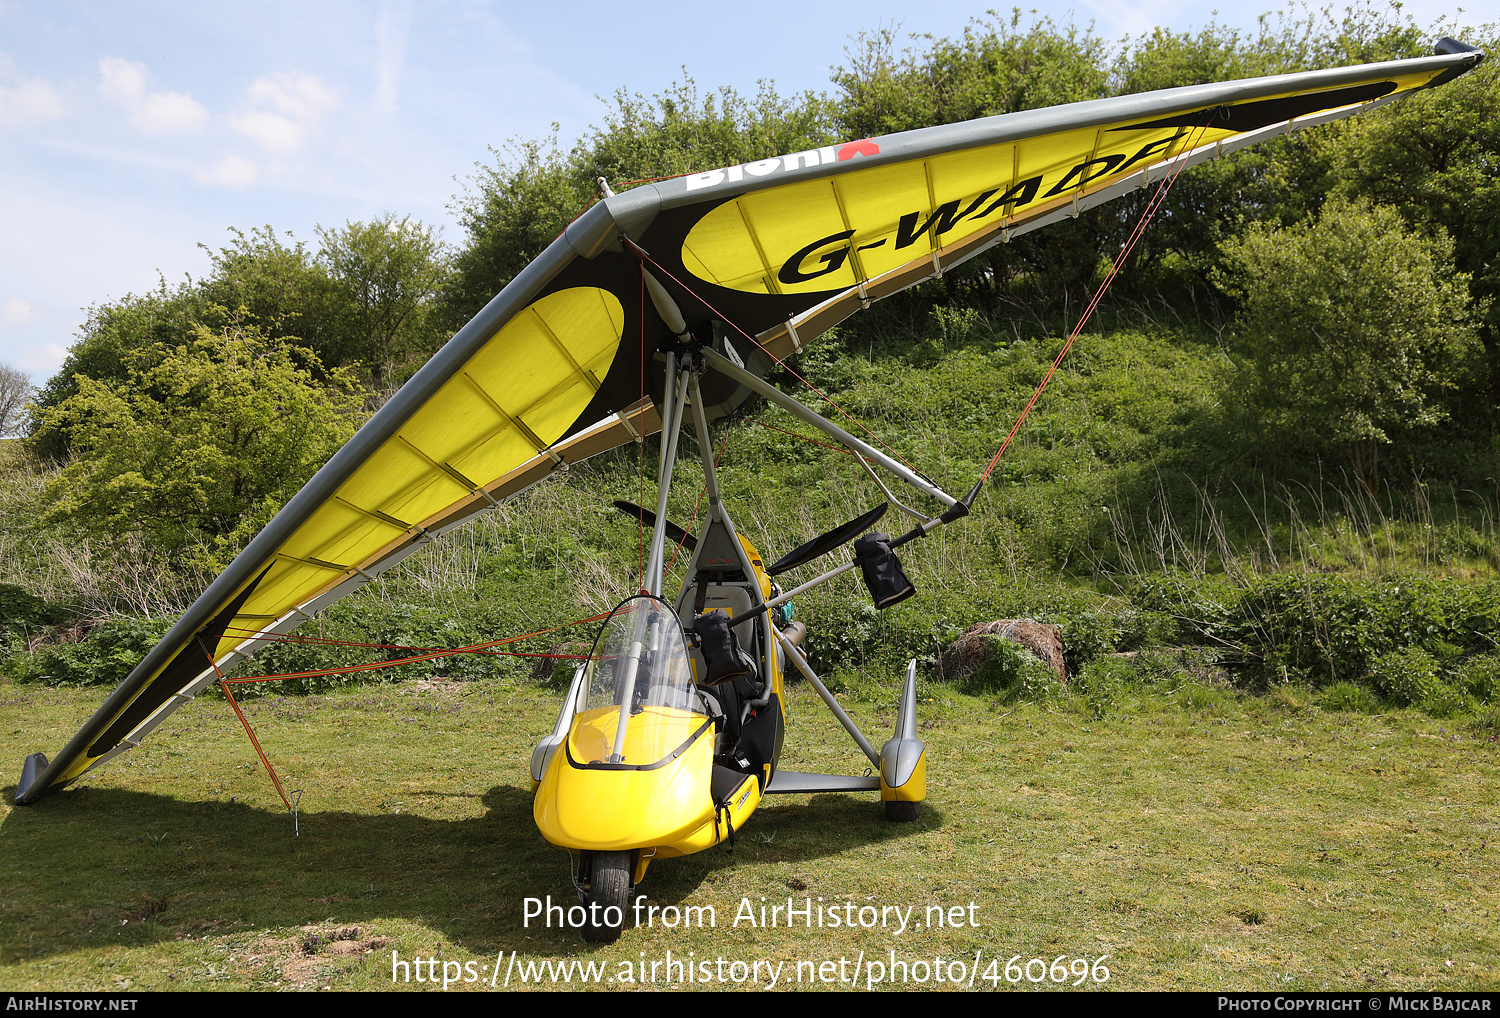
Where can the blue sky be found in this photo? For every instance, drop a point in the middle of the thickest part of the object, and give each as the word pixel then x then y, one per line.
pixel 132 132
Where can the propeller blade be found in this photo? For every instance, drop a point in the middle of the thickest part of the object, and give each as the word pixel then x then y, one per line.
pixel 825 543
pixel 674 533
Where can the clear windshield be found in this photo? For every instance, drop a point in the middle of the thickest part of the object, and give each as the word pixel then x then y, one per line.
pixel 640 664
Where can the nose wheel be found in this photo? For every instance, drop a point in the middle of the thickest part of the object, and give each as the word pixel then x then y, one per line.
pixel 606 881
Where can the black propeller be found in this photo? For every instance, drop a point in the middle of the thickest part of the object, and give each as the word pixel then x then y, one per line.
pixel 825 543
pixel 647 517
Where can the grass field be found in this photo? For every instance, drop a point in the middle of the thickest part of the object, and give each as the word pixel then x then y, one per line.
pixel 1197 837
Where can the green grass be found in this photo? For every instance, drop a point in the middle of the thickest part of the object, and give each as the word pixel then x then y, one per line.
pixel 1200 838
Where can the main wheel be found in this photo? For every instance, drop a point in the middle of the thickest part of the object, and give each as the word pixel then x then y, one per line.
pixel 609 891
pixel 902 812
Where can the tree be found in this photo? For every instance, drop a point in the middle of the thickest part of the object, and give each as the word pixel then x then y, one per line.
pixel 1435 158
pixel 280 287
pixel 201 443
pixel 994 67
pixel 513 211
pixel 679 131
pixel 517 207
pixel 257 281
pixel 386 273
pixel 110 336
pixel 15 390
pixel 1279 182
pixel 1351 326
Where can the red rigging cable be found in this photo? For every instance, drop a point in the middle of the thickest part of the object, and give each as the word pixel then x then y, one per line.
pixel 482 648
pixel 1152 208
pixel 805 438
pixel 586 206
pixel 477 648
pixel 275 778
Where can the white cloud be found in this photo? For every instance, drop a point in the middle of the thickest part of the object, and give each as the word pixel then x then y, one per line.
pixel 391 27
pixel 273 131
pixel 283 109
pixel 168 113
pixel 29 101
pixel 301 96
pixel 16 312
pixel 43 360
pixel 124 83
pixel 231 171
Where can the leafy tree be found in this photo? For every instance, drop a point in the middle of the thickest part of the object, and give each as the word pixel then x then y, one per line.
pixel 279 287
pixel 1351 326
pixel 386 274
pixel 994 67
pixel 1436 158
pixel 256 280
pixel 517 207
pixel 512 212
pixel 679 131
pixel 15 390
pixel 109 337
pixel 366 298
pixel 1279 182
pixel 201 443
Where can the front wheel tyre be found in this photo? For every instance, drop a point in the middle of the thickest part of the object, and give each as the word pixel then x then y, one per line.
pixel 609 891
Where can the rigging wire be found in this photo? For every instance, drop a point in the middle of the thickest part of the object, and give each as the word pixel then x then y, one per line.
pixel 275 778
pixel 640 533
pixel 1152 208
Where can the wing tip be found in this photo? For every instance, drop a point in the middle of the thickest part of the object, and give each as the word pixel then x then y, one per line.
pixel 1449 46
pixel 31 770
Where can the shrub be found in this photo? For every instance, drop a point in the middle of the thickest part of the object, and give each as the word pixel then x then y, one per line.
pixel 103 658
pixel 1014 671
pixel 1102 684
pixel 1406 676
pixel 1345 695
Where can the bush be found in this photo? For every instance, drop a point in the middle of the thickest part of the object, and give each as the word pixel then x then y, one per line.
pixel 1014 671
pixel 1352 325
pixel 103 658
pixel 1407 676
pixel 21 611
pixel 1480 677
pixel 1102 684
pixel 1349 696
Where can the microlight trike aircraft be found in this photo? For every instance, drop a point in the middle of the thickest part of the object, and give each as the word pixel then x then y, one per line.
pixel 662 309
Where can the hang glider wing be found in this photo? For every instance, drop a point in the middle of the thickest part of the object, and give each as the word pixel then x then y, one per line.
pixel 558 366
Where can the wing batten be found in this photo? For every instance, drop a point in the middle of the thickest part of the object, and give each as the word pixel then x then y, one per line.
pixel 840 305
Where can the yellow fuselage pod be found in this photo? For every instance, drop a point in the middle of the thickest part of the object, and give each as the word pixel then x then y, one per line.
pixel 582 804
pixel 667 806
